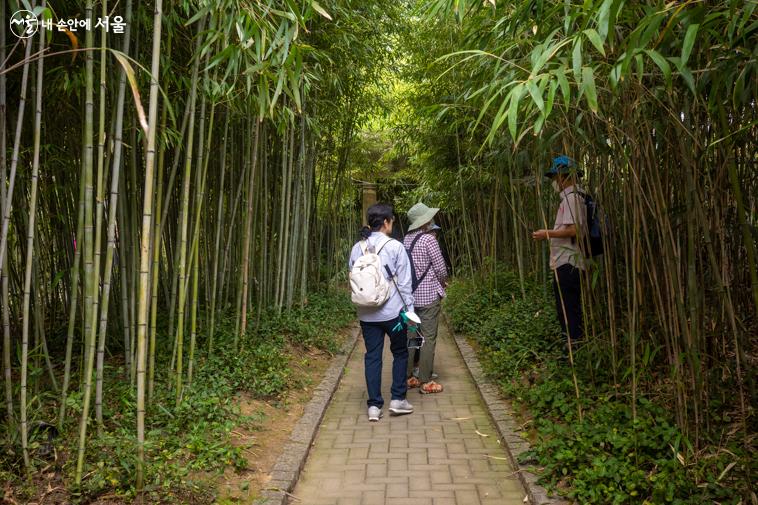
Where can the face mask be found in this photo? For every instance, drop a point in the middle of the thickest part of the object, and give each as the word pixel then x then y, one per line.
pixel 555 185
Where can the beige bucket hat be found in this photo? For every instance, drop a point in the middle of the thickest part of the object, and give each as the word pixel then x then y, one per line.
pixel 419 215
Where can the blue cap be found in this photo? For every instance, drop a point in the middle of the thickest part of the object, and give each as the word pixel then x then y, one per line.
pixel 563 165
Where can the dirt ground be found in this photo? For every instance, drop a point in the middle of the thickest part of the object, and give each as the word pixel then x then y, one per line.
pixel 262 434
pixel 264 438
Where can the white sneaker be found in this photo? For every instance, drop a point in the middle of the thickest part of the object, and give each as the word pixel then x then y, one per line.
pixel 400 407
pixel 374 414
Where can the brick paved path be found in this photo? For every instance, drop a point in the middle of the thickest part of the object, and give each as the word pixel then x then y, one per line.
pixel 431 457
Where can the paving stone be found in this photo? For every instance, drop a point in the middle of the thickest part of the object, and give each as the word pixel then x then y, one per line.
pixel 373 498
pixel 444 501
pixel 350 501
pixel 431 457
pixel 511 437
pixel 397 490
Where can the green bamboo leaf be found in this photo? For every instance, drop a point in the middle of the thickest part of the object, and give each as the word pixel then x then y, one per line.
pixel 196 17
pixel 576 59
pixel 317 7
pixel 604 19
pixel 565 88
pixel 689 80
pixel 277 92
pixel 662 64
pixel 539 123
pixel 739 96
pixel 285 14
pixel 499 118
pixel 588 86
pixel 551 97
pixel 640 66
pixel 689 42
pixel 594 37
pixel 537 57
pixel 129 71
pixel 58 277
pixel 513 110
pixel 295 88
pixel 615 76
pixel 536 95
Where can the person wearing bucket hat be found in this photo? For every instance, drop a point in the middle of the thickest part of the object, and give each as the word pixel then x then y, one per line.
pixel 428 278
pixel 566 258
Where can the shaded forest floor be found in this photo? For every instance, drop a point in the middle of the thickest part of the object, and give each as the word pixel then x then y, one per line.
pixel 271 423
pixel 218 445
pixel 589 442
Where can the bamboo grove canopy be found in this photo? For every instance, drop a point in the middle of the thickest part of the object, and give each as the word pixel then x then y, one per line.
pixel 199 166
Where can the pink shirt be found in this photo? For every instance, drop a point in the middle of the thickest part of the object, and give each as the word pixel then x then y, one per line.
pixel 572 210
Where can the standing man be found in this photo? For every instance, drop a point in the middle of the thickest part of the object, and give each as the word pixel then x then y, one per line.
pixel 430 278
pixel 385 319
pixel 566 258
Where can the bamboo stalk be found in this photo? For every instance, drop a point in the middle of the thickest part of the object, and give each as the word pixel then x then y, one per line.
pixel 30 252
pixel 248 230
pixel 90 274
pixel 145 243
pixel 14 158
pixel 217 242
pixel 100 342
pixel 181 275
pixel 4 268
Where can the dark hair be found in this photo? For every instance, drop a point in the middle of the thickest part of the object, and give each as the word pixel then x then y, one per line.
pixel 376 215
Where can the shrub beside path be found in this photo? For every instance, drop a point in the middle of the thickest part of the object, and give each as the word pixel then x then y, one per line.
pixel 446 453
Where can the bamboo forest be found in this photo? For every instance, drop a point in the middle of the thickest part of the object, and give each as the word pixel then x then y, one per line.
pixel 182 183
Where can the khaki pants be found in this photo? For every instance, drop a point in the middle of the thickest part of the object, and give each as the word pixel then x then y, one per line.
pixel 429 316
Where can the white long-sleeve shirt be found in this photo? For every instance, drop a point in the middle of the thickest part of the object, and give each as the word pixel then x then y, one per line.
pixel 393 254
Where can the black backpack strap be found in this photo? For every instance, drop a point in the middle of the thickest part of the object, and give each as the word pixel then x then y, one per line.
pixel 414 281
pixel 580 193
pixel 590 214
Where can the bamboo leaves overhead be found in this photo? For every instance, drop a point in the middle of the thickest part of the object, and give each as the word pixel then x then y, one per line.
pixel 202 225
pixel 572 46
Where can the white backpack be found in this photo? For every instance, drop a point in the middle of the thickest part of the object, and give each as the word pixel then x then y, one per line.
pixel 369 285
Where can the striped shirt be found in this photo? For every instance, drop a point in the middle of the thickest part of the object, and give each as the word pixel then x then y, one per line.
pixel 427 254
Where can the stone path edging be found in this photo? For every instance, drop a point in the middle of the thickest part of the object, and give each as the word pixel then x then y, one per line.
pixel 290 463
pixel 505 421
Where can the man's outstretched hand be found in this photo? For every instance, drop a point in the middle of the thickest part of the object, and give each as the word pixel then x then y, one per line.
pixel 540 235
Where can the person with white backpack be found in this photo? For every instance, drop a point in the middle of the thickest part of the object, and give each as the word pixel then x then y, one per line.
pixel 380 282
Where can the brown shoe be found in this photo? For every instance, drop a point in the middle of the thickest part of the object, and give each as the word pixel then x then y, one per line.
pixel 430 388
pixel 413 382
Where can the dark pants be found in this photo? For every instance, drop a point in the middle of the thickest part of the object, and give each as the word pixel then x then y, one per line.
pixel 373 336
pixel 570 285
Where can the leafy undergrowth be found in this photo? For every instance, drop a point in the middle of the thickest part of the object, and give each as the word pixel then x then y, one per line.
pixel 189 446
pixel 609 456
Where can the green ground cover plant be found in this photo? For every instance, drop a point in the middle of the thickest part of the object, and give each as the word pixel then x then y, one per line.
pixel 591 447
pixel 189 444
